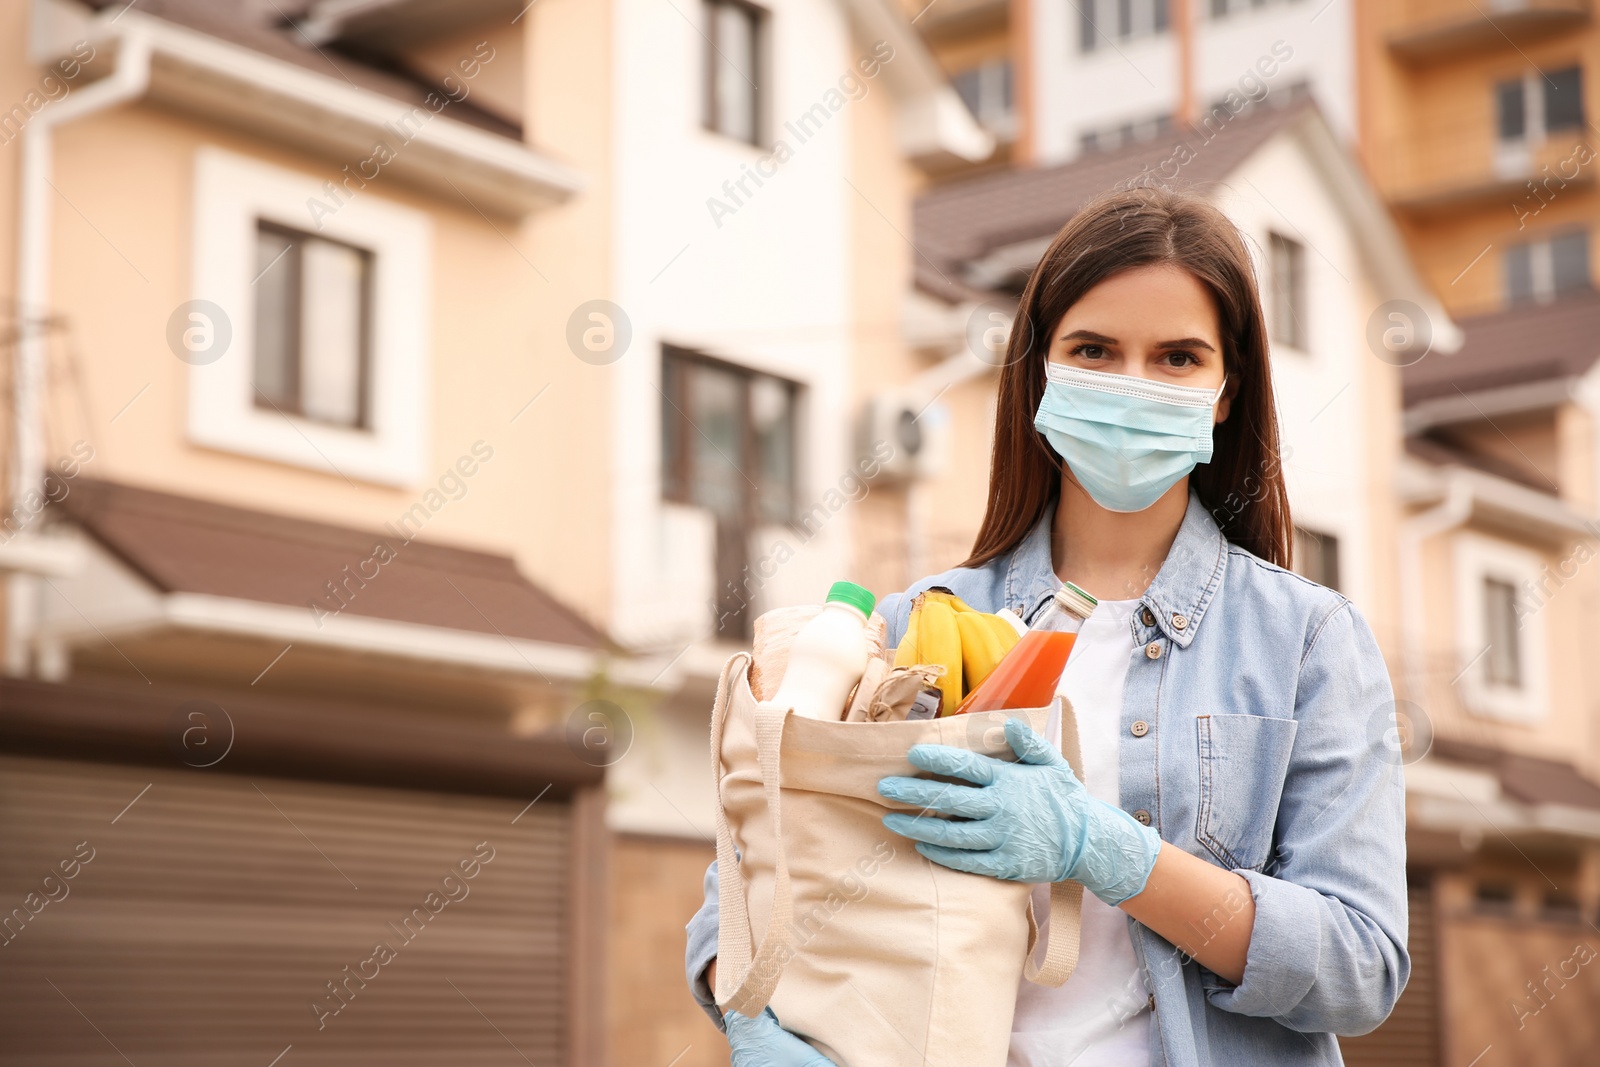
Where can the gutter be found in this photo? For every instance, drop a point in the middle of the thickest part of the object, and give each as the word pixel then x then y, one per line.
pixel 357 634
pixel 328 116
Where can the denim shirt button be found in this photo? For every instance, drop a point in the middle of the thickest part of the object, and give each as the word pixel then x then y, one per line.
pixel 1147 618
pixel 1143 816
pixel 1180 622
pixel 1139 728
pixel 1152 650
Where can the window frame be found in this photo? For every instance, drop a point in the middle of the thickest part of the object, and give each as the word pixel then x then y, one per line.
pixel 1540 257
pixel 1329 544
pixel 994 105
pixel 233 193
pixel 1477 559
pixel 1230 8
pixel 1533 91
pixel 675 486
pixel 1299 334
pixel 761 20
pixel 1107 18
pixel 363 419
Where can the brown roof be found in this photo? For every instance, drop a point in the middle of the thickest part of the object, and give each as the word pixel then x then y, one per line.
pixel 954 224
pixel 1530 343
pixel 263 26
pixel 184 545
pixel 1526 778
pixel 1441 454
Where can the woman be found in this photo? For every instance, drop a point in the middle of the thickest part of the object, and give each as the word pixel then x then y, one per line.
pixel 1242 829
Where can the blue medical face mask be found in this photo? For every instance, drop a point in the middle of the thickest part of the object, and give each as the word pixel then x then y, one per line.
pixel 1127 440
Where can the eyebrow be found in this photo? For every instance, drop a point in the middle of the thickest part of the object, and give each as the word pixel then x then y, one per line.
pixel 1100 338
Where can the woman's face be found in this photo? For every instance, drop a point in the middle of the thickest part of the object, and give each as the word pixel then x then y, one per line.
pixel 1157 322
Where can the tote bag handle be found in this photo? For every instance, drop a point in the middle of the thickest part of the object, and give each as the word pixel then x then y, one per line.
pixel 752 971
pixel 1066 898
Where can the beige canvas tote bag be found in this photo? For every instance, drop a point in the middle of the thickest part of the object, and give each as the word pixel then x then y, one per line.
pixel 877 956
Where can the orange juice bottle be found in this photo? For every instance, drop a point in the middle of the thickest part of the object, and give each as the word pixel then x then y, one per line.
pixel 1028 675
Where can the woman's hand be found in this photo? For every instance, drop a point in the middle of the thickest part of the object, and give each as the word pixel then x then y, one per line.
pixel 1029 821
pixel 761 1042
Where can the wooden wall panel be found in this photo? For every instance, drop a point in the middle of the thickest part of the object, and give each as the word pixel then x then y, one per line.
pixel 656 886
pixel 1526 988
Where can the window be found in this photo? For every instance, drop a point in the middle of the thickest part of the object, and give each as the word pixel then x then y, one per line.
pixel 733 69
pixel 1563 99
pixel 1540 271
pixel 1224 8
pixel 1561 906
pixel 1121 133
pixel 728 445
pixel 1494 898
pixel 1511 110
pixel 312 328
pixel 1102 21
pixel 1502 663
pixel 1287 293
pixel 1500 667
pixel 328 317
pixel 1316 556
pixel 1538 103
pixel 986 90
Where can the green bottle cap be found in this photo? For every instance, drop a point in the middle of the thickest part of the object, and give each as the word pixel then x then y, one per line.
pixel 1075 600
pixel 858 597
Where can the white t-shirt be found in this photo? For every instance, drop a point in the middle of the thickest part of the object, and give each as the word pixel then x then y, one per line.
pixel 1100 1017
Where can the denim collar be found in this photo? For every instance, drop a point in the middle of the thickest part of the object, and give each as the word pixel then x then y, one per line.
pixel 1178 597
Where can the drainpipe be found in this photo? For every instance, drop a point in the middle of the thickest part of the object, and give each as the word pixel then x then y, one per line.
pixel 1186 112
pixel 129 81
pixel 1451 513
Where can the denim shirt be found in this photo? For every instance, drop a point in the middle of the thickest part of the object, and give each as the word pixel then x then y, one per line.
pixel 1254 721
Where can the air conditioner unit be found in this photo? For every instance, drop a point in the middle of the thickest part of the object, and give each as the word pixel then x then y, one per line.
pixel 902 437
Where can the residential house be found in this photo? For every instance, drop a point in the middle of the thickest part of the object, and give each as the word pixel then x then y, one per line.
pixel 1475 126
pixel 411 404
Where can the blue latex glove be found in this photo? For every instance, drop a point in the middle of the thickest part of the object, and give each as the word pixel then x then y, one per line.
pixel 1031 821
pixel 761 1042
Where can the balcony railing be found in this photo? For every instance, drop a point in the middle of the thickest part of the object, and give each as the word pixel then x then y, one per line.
pixel 1429 30
pixel 1450 166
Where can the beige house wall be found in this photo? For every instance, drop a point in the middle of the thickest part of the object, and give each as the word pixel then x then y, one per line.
pixel 502 290
pixel 903 532
pixel 1567 731
pixel 1377 389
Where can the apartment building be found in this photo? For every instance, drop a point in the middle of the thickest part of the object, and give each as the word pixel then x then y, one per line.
pixel 1054 81
pixel 411 403
pixel 1475 125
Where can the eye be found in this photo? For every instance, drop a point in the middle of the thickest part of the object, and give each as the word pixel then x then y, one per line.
pixel 1183 358
pixel 1089 350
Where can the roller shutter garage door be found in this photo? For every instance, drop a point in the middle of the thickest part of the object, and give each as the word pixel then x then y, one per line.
pixel 208 916
pixel 1410 1036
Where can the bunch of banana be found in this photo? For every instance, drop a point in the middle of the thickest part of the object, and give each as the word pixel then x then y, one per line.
pixel 968 643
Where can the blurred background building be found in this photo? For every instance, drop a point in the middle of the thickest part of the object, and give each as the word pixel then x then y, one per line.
pixel 411 403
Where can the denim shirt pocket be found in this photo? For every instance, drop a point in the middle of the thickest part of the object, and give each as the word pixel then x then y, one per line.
pixel 1243 762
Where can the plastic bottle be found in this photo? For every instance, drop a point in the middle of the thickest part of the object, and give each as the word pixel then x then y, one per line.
pixel 1027 676
pixel 828 655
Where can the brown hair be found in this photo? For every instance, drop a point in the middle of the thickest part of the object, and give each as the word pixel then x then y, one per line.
pixel 1242 486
